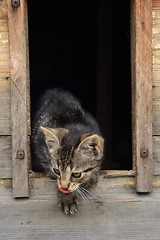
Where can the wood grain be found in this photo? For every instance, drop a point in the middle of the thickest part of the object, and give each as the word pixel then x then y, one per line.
pixel 5 107
pixel 156 155
pixel 18 37
pixel 5 157
pixel 141 59
pixel 4 43
pixel 118 213
pixel 5 112
pixel 156 66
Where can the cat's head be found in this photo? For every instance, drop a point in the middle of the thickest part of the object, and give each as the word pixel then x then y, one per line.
pixel 73 164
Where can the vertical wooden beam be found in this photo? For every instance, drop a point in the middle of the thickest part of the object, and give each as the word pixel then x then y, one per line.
pixel 141 61
pixel 18 40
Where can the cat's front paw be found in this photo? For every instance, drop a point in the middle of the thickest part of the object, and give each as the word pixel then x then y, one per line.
pixel 68 203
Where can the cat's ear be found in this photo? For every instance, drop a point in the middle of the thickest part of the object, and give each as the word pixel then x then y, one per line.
pixel 54 137
pixel 91 145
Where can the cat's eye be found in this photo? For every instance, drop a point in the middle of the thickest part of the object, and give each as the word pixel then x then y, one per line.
pixel 76 175
pixel 56 171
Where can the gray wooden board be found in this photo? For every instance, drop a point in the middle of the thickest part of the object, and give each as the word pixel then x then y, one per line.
pixel 141 71
pixel 119 213
pixel 5 107
pixel 42 220
pixel 156 154
pixel 5 157
pixel 18 39
pixel 6 162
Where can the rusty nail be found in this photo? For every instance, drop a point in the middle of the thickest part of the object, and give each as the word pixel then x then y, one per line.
pixel 15 3
pixel 144 152
pixel 20 154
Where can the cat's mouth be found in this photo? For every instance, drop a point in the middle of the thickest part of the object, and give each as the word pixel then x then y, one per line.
pixel 63 190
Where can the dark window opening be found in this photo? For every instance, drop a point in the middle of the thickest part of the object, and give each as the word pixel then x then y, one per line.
pixel 64 46
pixel 122 134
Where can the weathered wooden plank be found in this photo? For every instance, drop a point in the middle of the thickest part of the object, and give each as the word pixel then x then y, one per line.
pixel 3 9
pixel 5 105
pixel 42 220
pixel 6 166
pixel 141 61
pixel 156 155
pixel 156 108
pixel 5 113
pixel 119 213
pixel 117 173
pixel 108 189
pixel 156 66
pixel 4 43
pixel 18 37
pixel 5 157
pixel 4 49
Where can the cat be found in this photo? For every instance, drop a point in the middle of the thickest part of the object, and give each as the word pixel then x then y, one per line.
pixel 67 144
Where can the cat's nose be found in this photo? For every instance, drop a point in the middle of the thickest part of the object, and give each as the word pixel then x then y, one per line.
pixel 64 185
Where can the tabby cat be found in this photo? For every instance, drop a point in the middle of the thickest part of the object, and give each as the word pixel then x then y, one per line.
pixel 67 144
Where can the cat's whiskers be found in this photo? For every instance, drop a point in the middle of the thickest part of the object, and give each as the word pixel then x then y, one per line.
pixel 82 195
pixel 79 193
pixel 87 195
pixel 93 196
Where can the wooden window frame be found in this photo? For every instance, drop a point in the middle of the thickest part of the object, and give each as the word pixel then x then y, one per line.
pixel 141 69
pixel 20 120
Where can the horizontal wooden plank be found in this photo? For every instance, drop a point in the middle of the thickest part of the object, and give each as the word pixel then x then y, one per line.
pixel 42 220
pixel 5 107
pixel 156 92
pixel 119 213
pixel 117 173
pixel 106 190
pixel 5 113
pixel 156 155
pixel 156 108
pixel 3 9
pixel 156 5
pixel 5 161
pixel 156 65
pixel 5 157
pixel 4 49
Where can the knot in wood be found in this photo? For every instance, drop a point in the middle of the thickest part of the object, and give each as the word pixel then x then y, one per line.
pixel 15 3
pixel 20 154
pixel 144 152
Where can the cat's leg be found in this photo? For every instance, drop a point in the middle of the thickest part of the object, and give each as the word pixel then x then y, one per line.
pixel 68 202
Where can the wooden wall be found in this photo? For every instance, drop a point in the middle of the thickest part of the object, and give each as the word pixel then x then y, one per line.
pixel 5 115
pixel 5 92
pixel 156 84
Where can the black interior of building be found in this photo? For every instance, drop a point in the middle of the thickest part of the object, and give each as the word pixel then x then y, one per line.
pixel 63 49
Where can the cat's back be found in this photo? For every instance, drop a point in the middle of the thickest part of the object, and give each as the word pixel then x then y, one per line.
pixel 56 108
pixel 57 98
